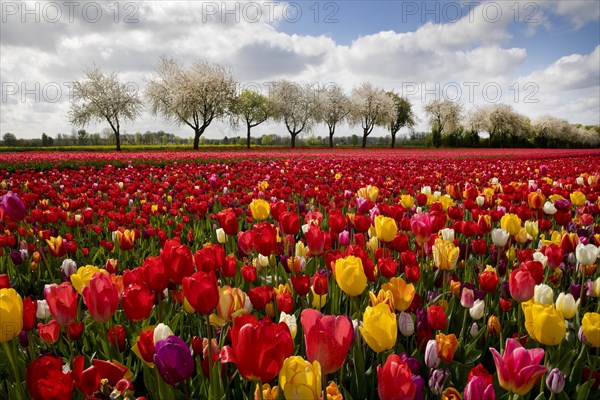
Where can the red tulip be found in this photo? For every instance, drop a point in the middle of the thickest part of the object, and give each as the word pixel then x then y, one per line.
pixel 301 284
pixel 521 284
pixel 261 296
pixel 145 345
pixel 89 380
pixel 258 348
pixel 154 274
pixel 75 330
pixel 4 281
pixel 210 258
pixel 245 242
pixel 101 297
pixel 320 284
pixel 249 273
pixel 228 221
pixel 264 236
pixel 117 337
pixel 202 291
pixel 137 302
pixel 337 222
pixel 436 317
pixel 327 338
pixel 29 313
pixel 488 280
pixel 289 223
pixel 62 301
pixel 394 380
pixel 46 380
pixel 388 267
pixel 177 260
pixel 229 268
pixel 49 332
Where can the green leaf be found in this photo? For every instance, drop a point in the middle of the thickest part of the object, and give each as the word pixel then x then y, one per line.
pixel 584 390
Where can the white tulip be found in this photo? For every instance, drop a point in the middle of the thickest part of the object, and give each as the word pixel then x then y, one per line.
pixel 566 304
pixel 162 332
pixel 587 254
pixel 290 321
pixel 448 234
pixel 221 236
pixel 477 310
pixel 543 294
pixel 500 237
pixel 549 208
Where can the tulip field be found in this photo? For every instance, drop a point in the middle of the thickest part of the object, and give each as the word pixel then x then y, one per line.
pixel 305 274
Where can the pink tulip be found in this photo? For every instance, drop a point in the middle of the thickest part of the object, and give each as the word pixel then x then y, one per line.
pixel 421 227
pixel 327 338
pixel 519 369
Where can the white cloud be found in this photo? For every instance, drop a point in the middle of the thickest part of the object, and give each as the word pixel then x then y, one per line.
pixel 475 51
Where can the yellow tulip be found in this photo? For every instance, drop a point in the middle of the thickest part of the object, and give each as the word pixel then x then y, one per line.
pixel 407 201
pixel 350 275
pixel 384 296
pixel 446 202
pixel 590 323
pixel 385 228
pixel 11 314
pixel 268 392
pixel 511 223
pixel 445 254
pixel 260 209
pixel 544 323
pixel 379 328
pixel 403 293
pixel 299 379
pixel 369 192
pixel 84 275
pixel 532 228
pixel 318 301
pixel 577 198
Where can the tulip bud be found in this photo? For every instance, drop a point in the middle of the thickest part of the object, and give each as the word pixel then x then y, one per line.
pixel 477 310
pixel 543 294
pixel 555 381
pixel 549 208
pixel 432 359
pixel 437 377
pixel 43 310
pixel 406 325
pixel 480 200
pixel 290 321
pixel 68 268
pixel 448 234
pixel 467 298
pixel 474 330
pixel 493 326
pixel 221 236
pixel 162 332
pixel 344 238
pixel 566 304
pixel 500 237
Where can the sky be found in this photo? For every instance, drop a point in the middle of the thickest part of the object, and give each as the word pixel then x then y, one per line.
pixel 541 57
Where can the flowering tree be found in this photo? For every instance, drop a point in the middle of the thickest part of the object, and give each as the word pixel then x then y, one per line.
pixel 251 107
pixel 193 97
pixel 402 115
pixel 101 97
pixel 443 118
pixel 294 104
pixel 370 106
pixel 333 107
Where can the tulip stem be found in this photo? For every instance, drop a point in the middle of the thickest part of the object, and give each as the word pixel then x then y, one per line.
pixel 9 349
pixel 208 336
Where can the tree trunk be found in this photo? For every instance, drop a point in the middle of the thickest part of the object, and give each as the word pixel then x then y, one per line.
pixel 293 140
pixel 248 140
pixel 331 138
pixel 393 140
pixel 197 134
pixel 118 140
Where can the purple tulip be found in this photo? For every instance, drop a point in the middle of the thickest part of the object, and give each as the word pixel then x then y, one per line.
pixel 173 360
pixel 12 206
pixel 420 382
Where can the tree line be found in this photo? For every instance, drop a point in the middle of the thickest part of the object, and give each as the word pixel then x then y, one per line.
pixel 194 97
